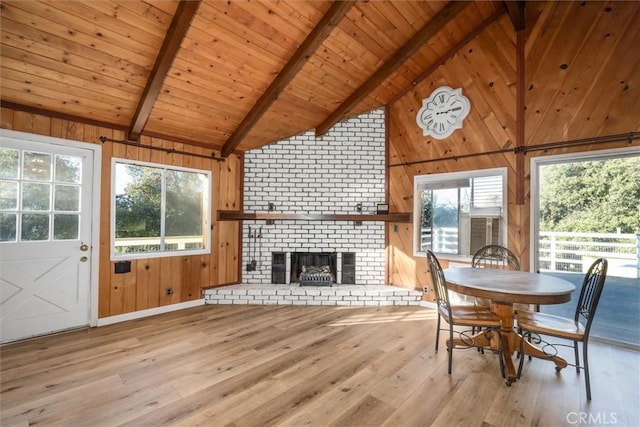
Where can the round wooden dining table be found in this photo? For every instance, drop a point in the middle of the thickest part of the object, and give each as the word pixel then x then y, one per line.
pixel 504 288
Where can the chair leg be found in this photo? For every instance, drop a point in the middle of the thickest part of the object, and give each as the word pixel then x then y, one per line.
pixel 577 356
pixel 500 354
pixel 438 332
pixel 586 370
pixel 450 347
pixel 521 355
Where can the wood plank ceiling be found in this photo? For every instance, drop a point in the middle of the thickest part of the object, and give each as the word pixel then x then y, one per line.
pixel 225 75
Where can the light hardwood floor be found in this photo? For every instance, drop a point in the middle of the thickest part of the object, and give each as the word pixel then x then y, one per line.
pixel 294 366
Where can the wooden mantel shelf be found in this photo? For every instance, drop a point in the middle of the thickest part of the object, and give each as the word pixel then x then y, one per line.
pixel 235 216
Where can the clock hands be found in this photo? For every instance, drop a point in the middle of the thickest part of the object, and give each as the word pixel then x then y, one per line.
pixel 448 111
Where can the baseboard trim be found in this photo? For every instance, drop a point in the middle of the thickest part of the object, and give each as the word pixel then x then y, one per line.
pixel 428 304
pixel 149 312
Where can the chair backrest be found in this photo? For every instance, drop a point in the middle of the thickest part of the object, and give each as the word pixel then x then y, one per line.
pixel 592 286
pixel 495 256
pixel 439 283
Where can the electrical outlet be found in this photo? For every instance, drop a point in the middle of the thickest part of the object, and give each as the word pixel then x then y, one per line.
pixel 169 291
pixel 425 290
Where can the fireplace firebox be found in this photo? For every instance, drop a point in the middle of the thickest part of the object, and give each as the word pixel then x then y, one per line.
pixel 313 268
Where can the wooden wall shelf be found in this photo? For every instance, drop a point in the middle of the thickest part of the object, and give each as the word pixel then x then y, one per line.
pixel 235 216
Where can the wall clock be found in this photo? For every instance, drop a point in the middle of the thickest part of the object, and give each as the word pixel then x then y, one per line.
pixel 443 112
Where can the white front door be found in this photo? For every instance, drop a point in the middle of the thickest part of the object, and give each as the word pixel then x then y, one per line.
pixel 45 237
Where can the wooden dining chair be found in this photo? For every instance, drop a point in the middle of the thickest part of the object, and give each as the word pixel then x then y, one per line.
pixel 495 256
pixel 460 315
pixel 576 329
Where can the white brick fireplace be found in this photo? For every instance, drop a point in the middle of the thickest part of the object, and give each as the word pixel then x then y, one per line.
pixel 333 174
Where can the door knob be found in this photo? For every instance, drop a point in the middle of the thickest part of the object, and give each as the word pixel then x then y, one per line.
pixel 84 259
pixel 84 248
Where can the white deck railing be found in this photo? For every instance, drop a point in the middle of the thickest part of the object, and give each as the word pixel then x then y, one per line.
pixel 564 251
pixel 152 244
pixel 574 252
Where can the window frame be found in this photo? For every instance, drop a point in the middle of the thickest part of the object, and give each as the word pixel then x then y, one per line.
pixel 421 180
pixel 537 163
pixel 206 250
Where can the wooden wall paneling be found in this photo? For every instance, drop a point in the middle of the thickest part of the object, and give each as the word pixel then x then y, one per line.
pixel 548 75
pixel 104 285
pixel 613 99
pixel 142 285
pixel 399 182
pixel 166 281
pixel 31 123
pixel 66 129
pixel 191 286
pixel 154 291
pixel 186 284
pixel 591 62
pixel 226 230
pixel 212 269
pixel 223 261
pixel 409 143
pixel 234 257
pixel 6 118
pixel 116 294
pixel 122 297
pixel 204 269
pixel 129 288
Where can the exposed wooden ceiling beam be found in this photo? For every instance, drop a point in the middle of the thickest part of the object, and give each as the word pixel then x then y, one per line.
pixel 416 42
pixel 177 30
pixel 313 41
pixel 468 38
pixel 516 13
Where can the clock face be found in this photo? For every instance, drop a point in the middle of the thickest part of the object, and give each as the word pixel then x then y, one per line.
pixel 443 112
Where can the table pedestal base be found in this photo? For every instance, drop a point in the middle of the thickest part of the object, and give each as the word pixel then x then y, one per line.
pixel 511 342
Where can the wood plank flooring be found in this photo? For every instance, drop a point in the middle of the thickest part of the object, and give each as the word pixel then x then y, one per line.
pixel 293 366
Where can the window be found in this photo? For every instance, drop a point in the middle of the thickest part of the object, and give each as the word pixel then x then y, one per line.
pixel 585 206
pixel 159 210
pixel 39 196
pixel 457 213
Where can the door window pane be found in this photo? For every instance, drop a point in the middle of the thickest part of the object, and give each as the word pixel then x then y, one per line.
pixel 36 166
pixel 36 197
pixel 68 169
pixel 8 223
pixel 9 161
pixel 67 198
pixel 66 227
pixel 35 227
pixel 8 195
